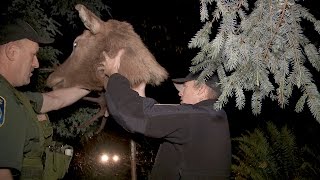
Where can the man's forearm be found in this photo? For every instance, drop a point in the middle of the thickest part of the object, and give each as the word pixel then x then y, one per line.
pixel 5 174
pixel 60 98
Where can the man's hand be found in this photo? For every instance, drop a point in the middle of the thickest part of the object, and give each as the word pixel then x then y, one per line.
pixel 42 117
pixel 5 174
pixel 112 65
pixel 140 89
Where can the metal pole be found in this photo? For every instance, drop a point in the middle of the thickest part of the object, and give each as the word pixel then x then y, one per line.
pixel 133 160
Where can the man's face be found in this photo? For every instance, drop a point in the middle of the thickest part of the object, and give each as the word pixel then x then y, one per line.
pixel 189 93
pixel 25 61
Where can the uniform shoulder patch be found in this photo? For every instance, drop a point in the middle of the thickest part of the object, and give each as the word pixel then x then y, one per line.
pixel 2 110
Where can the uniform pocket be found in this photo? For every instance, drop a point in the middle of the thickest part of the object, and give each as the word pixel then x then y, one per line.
pixel 32 169
pixel 56 165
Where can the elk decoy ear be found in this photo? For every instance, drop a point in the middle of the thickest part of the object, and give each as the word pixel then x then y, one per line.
pixel 89 19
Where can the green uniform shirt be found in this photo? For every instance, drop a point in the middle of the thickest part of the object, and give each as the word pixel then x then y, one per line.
pixel 19 132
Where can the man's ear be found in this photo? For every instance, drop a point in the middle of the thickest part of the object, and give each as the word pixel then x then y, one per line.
pixel 11 51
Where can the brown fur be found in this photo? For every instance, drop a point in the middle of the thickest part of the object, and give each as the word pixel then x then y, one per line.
pixel 80 68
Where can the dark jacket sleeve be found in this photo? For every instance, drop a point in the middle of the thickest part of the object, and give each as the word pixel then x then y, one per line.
pixel 124 104
pixel 142 115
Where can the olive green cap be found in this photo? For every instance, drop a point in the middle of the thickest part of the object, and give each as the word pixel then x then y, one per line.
pixel 20 29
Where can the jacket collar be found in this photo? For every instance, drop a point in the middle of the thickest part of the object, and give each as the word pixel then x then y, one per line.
pixel 208 102
pixel 4 80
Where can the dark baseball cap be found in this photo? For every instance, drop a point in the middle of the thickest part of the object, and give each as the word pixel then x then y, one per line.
pixel 212 82
pixel 20 29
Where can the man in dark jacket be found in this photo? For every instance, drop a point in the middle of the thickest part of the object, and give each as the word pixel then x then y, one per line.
pixel 195 137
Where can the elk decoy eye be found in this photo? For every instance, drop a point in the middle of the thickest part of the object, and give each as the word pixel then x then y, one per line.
pixel 75 44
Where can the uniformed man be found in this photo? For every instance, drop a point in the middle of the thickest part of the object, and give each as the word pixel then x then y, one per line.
pixel 23 138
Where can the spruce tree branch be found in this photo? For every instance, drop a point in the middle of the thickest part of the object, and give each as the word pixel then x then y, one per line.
pixel 234 8
pixel 281 92
pixel 280 20
pixel 239 5
pixel 277 28
pixel 271 15
pixel 296 59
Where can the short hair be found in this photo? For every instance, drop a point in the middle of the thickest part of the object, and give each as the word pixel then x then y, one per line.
pixel 213 93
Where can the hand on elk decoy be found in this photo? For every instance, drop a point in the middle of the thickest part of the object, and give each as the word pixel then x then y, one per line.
pixel 111 65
